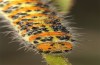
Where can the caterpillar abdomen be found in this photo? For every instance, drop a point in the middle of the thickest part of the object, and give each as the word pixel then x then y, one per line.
pixel 38 25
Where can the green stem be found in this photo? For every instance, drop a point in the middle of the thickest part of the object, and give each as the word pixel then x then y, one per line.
pixel 56 59
pixel 64 5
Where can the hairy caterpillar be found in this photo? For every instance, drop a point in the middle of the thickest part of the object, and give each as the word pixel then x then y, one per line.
pixel 38 24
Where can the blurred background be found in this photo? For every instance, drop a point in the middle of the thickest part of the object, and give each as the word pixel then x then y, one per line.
pixel 86 15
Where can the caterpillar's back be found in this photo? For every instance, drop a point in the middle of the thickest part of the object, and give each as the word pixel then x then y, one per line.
pixel 38 24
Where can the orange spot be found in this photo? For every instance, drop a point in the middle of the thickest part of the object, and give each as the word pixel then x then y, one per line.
pixel 36 25
pixel 19 27
pixel 31 38
pixel 24 9
pixel 0 0
pixel 40 15
pixel 32 15
pixel 68 45
pixel 23 32
pixel 16 2
pixel 44 47
pixel 24 23
pixel 30 27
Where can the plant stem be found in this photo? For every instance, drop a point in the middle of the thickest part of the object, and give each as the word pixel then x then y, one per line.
pixel 64 5
pixel 56 59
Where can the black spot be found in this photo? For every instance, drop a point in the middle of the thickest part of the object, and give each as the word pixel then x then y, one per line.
pixel 49 38
pixel 67 37
pixel 29 24
pixel 34 28
pixel 23 27
pixel 56 28
pixel 61 38
pixel 30 32
pixel 39 4
pixel 66 50
pixel 57 52
pixel 35 33
pixel 33 47
pixel 40 50
pixel 49 48
pixel 63 29
pixel 45 5
pixel 22 13
pixel 38 10
pixel 15 17
pixel 19 3
pixel 15 7
pixel 46 51
pixel 45 29
pixel 46 12
pixel 20 23
pixel 63 44
pixel 38 38
pixel 43 25
pixel 28 2
pixel 34 17
pixel 58 36
pixel 43 40
pixel 28 10
pixel 52 44
pixel 26 19
pixel 53 13
pixel 57 20
pixel 8 11
pixel 39 31
pixel 36 42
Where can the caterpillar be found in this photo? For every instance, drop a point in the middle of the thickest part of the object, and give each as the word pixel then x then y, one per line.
pixel 38 24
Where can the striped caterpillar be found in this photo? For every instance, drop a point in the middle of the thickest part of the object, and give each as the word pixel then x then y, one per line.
pixel 38 25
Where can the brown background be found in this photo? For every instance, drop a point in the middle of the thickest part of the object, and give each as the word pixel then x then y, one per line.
pixel 86 13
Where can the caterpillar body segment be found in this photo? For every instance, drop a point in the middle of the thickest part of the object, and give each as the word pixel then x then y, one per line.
pixel 38 25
